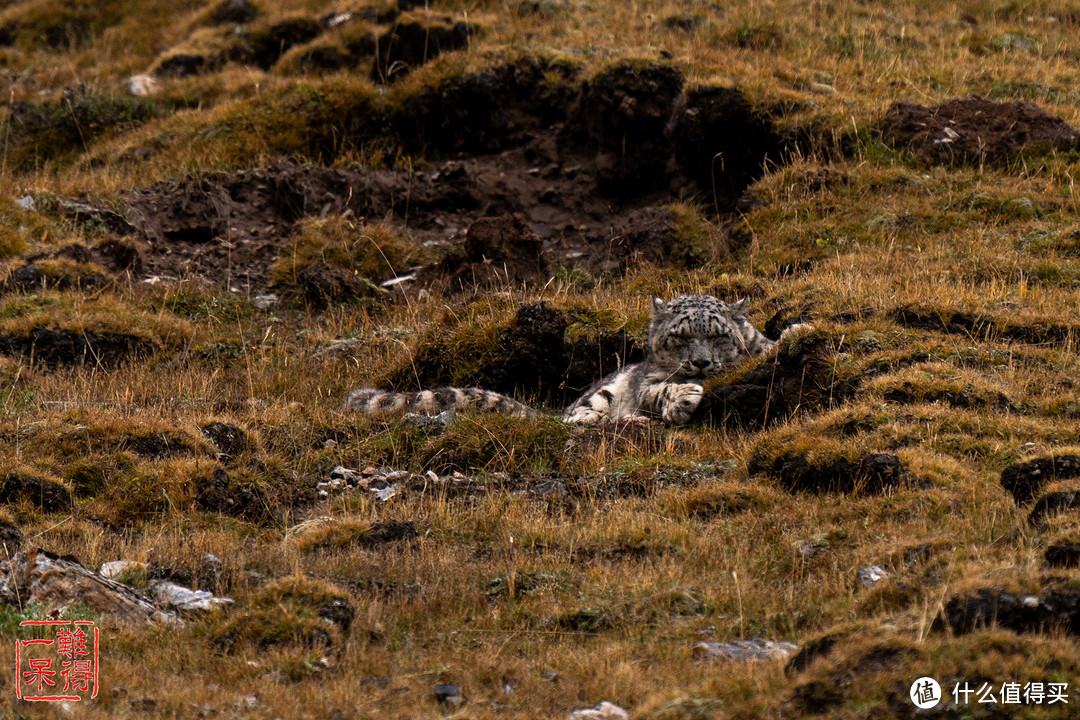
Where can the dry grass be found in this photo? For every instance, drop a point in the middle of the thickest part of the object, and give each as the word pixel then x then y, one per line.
pixel 539 602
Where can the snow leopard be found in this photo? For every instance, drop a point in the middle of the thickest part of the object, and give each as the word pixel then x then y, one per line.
pixel 691 338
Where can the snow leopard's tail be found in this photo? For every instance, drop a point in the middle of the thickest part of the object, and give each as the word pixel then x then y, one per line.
pixel 431 402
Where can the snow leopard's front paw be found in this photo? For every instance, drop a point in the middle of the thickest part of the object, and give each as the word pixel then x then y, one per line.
pixel 681 402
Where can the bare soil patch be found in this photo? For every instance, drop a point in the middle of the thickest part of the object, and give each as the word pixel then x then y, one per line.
pixel 589 174
pixel 973 130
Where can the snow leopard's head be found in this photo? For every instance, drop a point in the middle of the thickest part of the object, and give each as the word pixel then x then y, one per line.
pixel 695 336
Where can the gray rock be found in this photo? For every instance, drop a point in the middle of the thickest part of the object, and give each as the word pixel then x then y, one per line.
pixel 757 649
pixel 170 595
pixel 262 302
pixel 142 85
pixel 41 578
pixel 604 711
pixel 871 576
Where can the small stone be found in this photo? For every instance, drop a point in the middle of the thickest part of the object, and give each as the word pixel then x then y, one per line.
pixel 171 595
pixel 344 475
pixel 142 85
pixel 871 576
pixel 604 711
pixel 114 569
pixel 262 302
pixel 822 89
pixel 336 19
pixel 386 493
pixel 392 282
pixel 26 202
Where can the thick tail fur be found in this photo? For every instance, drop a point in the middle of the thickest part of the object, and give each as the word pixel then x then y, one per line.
pixel 431 402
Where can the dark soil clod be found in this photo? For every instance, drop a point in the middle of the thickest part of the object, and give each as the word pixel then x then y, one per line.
pixel 1063 555
pixel 11 539
pixel 497 249
pixel 1025 480
pixel 799 378
pixel 410 44
pixel 220 495
pixel 45 494
pixel 1052 504
pixel 621 115
pixel 56 347
pixel 1057 609
pixel 872 473
pixel 229 439
pixel 973 130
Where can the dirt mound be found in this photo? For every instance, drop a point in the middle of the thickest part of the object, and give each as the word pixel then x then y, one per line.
pixel 973 130
pixel 219 494
pixel 45 494
pixel 1063 555
pixel 718 141
pixel 531 357
pixel 959 322
pixel 591 169
pixel 871 474
pixel 1053 609
pixel 621 115
pixel 229 439
pixel 1025 480
pixel 497 249
pixel 1052 504
pixel 158 445
pixel 55 347
pixel 410 44
pixel 800 377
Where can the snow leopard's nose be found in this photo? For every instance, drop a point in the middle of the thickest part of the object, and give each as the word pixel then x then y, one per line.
pixel 701 363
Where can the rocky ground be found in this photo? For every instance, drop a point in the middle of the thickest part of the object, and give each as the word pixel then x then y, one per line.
pixel 219 217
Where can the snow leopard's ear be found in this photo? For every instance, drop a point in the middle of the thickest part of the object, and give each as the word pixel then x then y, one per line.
pixel 739 307
pixel 659 307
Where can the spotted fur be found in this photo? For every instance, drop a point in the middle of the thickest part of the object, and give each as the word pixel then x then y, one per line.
pixel 691 338
pixel 376 402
